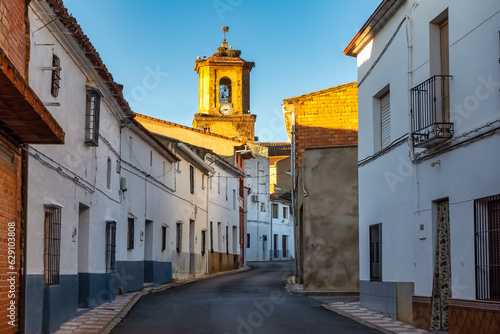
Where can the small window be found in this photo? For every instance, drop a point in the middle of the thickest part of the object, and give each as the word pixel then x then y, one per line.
pixel 151 158
pixel 248 240
pixel 108 178
pixel 203 242
pixel 92 114
pixel 52 244
pixel 178 243
pixel 225 90
pixel 385 120
pixel 211 237
pixel 487 244
pixel 262 207
pixel 376 252
pixel 163 238
pixel 227 180
pixel 56 76
pixel 285 212
pixel 227 240
pixel 218 183
pixel 275 211
pixel 130 234
pixel 234 199
pixel 191 179
pixel 111 247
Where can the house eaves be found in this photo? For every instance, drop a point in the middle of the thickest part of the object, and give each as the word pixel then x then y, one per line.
pixel 147 136
pixel 375 23
pixel 75 36
pixel 194 159
pixel 215 158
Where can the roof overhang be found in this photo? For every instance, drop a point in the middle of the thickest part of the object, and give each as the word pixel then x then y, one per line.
pixel 374 24
pixel 23 117
pixel 194 159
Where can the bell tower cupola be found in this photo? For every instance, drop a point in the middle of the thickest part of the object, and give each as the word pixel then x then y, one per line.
pixel 224 93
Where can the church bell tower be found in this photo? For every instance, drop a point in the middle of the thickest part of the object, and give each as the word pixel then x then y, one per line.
pixel 224 94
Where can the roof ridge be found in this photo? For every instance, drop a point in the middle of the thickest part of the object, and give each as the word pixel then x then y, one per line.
pixel 187 128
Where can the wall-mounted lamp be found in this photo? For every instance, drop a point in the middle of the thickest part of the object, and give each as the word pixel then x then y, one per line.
pixel 435 163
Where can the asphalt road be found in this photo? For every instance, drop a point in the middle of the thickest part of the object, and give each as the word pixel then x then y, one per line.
pixel 251 302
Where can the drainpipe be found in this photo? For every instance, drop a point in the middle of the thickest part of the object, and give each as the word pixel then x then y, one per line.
pixel 24 228
pixel 208 221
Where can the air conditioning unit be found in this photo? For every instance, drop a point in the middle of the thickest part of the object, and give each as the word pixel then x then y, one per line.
pixel 255 198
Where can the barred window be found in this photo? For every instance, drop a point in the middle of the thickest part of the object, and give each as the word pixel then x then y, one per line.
pixel 487 247
pixel 203 242
pixel 163 238
pixel 108 174
pixel 92 113
pixel 130 234
pixel 111 247
pixel 211 237
pixel 52 244
pixel 191 179
pixel 56 76
pixel 179 237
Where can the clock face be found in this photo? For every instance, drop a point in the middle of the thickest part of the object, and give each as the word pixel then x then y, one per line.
pixel 225 109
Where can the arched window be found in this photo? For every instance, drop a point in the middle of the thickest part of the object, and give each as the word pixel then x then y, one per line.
pixel 225 93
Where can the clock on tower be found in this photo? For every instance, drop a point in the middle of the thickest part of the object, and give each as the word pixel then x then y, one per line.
pixel 224 93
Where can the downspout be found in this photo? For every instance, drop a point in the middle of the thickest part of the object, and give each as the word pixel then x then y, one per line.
pixel 207 222
pixel 292 168
pixel 258 210
pixel 24 229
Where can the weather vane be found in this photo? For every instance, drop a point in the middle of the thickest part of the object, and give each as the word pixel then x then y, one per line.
pixel 225 29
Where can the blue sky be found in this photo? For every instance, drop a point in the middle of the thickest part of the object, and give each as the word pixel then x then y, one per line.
pixel 150 47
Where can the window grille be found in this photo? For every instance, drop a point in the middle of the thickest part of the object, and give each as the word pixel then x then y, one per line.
pixel 487 247
pixel 52 244
pixel 227 240
pixel 163 238
pixel 191 179
pixel 56 76
pixel 179 238
pixel 108 178
pixel 92 114
pixel 248 240
pixel 376 252
pixel 130 234
pixel 203 242
pixel 111 247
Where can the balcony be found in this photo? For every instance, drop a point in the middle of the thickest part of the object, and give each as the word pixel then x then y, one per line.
pixel 430 112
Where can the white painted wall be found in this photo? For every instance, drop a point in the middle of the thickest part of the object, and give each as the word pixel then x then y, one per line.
pixel 283 226
pixel 223 206
pixel 77 161
pixel 259 211
pixel 400 194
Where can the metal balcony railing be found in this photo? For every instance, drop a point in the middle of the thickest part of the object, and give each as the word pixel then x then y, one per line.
pixel 430 112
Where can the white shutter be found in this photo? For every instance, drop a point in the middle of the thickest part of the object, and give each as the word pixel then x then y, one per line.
pixel 385 117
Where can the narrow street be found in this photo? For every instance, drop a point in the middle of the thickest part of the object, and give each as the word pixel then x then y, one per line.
pixel 254 301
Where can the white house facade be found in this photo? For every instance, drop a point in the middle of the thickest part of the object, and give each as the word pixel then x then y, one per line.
pixel 282 230
pixel 429 183
pixel 258 233
pixel 75 187
pixel 224 215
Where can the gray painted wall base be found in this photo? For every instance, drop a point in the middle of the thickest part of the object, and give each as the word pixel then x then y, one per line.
pixel 47 307
pixel 391 298
pixel 157 272
pixel 96 289
pixel 129 275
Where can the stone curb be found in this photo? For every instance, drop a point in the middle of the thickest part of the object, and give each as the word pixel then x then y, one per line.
pixel 123 313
